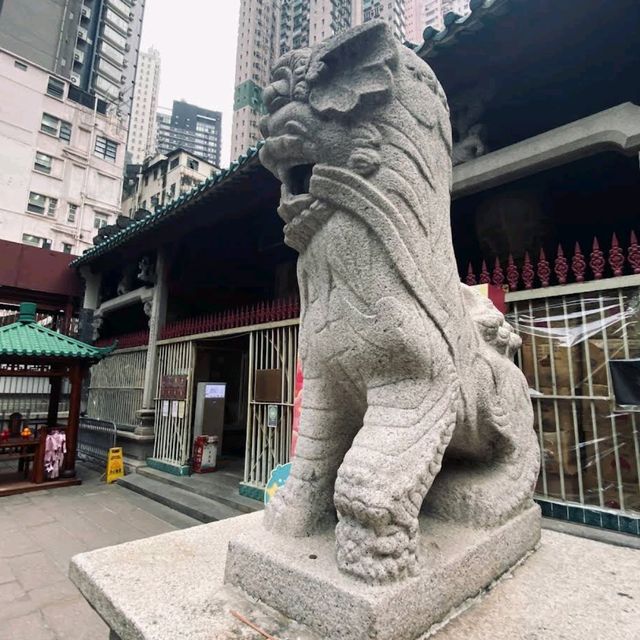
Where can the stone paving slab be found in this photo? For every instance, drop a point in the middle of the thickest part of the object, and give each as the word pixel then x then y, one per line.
pixel 171 586
pixel 41 531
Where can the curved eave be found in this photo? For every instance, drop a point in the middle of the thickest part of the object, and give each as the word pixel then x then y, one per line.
pixel 138 227
pixel 457 26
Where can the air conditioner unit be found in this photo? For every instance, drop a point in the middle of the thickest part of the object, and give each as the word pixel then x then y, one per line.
pixel 75 79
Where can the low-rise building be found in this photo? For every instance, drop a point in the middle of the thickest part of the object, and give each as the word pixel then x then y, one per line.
pixel 61 162
pixel 163 178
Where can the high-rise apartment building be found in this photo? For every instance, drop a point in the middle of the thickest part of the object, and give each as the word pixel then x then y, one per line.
pixel 270 28
pixel 94 43
pixel 61 162
pixel 257 49
pixel 430 13
pixel 391 11
pixel 142 125
pixel 191 128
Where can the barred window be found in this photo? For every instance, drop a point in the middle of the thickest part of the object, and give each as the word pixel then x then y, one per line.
pixel 43 163
pixel 55 127
pixel 105 148
pixel 55 88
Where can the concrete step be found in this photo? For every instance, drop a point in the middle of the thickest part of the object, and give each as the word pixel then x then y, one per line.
pixel 218 486
pixel 187 502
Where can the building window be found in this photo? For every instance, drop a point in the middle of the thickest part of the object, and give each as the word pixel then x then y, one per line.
pixel 66 248
pixel 20 65
pixel 55 88
pixel 71 212
pixel 40 204
pixel 36 241
pixel 43 163
pixel 105 148
pixel 100 221
pixel 55 127
pixel 174 163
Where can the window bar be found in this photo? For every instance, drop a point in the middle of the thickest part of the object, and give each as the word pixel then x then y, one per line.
pixel 587 360
pixel 249 441
pixel 574 410
pixel 614 431
pixel 554 387
pixel 632 414
pixel 534 358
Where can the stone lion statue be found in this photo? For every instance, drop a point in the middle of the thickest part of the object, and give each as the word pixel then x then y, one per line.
pixel 411 400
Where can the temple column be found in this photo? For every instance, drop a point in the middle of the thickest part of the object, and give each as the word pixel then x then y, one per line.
pixel 92 282
pixel 156 309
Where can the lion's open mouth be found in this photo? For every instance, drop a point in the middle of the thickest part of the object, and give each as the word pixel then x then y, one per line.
pixel 298 179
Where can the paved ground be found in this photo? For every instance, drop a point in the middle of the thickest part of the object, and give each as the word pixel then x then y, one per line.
pixel 39 532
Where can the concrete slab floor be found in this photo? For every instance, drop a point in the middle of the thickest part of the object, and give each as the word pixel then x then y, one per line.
pixel 40 531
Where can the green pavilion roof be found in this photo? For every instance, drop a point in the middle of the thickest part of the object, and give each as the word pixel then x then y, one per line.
pixel 26 338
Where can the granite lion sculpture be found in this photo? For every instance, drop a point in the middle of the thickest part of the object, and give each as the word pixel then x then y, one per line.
pixel 411 399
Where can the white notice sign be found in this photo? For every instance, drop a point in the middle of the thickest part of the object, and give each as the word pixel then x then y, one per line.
pixel 214 390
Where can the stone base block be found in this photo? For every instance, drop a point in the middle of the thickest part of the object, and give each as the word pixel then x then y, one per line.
pixel 299 577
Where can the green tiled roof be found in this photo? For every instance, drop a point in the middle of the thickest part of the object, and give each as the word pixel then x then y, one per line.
pixel 456 26
pixel 27 338
pixel 152 219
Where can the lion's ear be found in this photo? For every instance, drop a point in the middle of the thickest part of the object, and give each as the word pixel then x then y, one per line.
pixel 353 69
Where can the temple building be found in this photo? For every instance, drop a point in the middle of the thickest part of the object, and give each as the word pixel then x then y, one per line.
pixel 203 291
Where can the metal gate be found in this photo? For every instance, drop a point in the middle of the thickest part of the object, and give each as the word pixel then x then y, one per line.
pixel 116 387
pixel 173 431
pixel 590 442
pixel 274 348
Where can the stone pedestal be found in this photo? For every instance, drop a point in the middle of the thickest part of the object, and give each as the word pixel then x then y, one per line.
pixel 146 419
pixel 299 577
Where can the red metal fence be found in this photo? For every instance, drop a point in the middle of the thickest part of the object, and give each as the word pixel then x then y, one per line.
pixel 261 313
pixel 530 274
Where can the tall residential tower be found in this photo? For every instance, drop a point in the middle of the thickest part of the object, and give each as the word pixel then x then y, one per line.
pixel 93 43
pixel 190 128
pixel 142 127
pixel 269 28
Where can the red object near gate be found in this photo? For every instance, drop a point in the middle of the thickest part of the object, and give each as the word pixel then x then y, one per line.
pixel 205 454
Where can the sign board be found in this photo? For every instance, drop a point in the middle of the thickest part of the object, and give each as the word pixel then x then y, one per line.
pixel 115 465
pixel 272 416
pixel 214 390
pixel 173 387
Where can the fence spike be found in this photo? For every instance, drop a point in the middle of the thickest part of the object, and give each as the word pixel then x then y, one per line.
pixel 512 274
pixel 497 275
pixel 633 253
pixel 544 270
pixel 616 256
pixel 528 273
pixel 471 277
pixel 578 264
pixel 561 266
pixel 597 261
pixel 485 278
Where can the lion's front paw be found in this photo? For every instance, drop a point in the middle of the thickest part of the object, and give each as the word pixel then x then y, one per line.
pixel 375 556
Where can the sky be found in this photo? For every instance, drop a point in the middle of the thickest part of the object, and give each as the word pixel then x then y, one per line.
pixel 197 44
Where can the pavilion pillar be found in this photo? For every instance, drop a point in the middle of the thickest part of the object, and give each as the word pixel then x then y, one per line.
pixel 157 312
pixel 54 400
pixel 73 422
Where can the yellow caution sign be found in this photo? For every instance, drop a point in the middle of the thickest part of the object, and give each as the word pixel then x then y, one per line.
pixel 115 465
